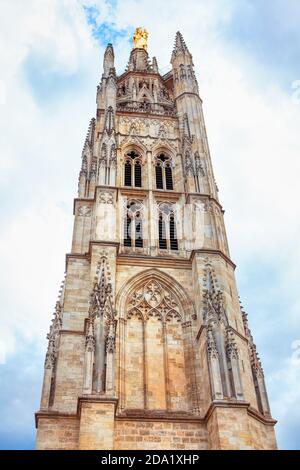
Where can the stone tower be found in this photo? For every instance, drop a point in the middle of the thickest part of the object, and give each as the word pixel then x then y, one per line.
pixel 149 347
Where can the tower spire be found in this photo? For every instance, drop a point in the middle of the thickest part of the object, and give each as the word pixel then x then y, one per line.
pixel 154 65
pixel 180 46
pixel 108 60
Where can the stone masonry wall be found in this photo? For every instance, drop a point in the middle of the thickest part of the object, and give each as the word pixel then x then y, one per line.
pixel 57 433
pixel 134 435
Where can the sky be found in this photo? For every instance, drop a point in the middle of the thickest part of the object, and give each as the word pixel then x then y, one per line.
pixel 246 56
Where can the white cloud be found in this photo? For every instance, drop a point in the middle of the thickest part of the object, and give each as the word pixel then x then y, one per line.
pixel 284 383
pixel 253 128
pixel 40 157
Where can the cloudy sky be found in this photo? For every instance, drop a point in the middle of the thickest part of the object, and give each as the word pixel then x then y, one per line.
pixel 246 55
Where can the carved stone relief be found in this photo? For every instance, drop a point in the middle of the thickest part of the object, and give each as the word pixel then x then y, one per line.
pixel 106 197
pixel 84 210
pixel 153 299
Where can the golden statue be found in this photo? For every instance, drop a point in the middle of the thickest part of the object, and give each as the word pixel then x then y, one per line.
pixel 140 39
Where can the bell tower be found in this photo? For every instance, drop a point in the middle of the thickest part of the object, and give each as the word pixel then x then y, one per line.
pixel 149 346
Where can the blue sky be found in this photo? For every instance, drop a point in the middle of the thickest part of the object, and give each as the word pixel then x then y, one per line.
pixel 246 56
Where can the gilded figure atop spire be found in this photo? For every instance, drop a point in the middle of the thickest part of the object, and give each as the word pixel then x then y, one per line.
pixel 140 38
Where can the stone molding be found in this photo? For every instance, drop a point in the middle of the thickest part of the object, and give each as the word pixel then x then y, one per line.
pixel 230 328
pixel 231 403
pixel 94 399
pixel 150 416
pixel 209 251
pixel 150 260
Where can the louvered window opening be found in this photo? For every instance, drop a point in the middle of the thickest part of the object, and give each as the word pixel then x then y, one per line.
pixel 169 178
pixel 138 232
pixel 163 173
pixel 127 173
pixel 127 231
pixel 132 170
pixel 159 177
pixel 133 227
pixel 173 236
pixel 162 233
pixel 167 235
pixel 138 175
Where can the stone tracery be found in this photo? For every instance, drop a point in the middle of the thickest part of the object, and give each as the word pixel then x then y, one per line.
pixel 153 299
pixel 155 355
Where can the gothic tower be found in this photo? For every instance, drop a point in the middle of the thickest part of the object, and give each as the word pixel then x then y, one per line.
pixel 149 347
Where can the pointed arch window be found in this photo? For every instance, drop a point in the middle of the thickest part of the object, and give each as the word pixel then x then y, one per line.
pixel 133 170
pixel 159 176
pixel 169 176
pixel 162 232
pixel 173 234
pixel 163 172
pixel 138 174
pixel 133 225
pixel 167 234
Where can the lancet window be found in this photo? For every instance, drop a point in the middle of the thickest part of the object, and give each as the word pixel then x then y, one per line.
pixel 133 224
pixel 163 172
pixel 133 170
pixel 167 233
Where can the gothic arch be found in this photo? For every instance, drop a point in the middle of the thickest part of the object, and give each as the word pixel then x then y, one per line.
pixel 156 358
pixel 186 305
pixel 163 147
pixel 144 92
pixel 133 143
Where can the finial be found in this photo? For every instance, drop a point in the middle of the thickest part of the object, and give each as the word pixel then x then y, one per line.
pixel 108 60
pixel 140 38
pixel 109 49
pixel 154 65
pixel 180 46
pixel 179 41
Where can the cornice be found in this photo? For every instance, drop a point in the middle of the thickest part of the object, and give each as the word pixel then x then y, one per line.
pixel 146 260
pixel 71 332
pixel 269 421
pixel 207 196
pixel 210 251
pixel 55 414
pixel 87 200
pixel 139 73
pixel 148 136
pixel 147 115
pixel 203 327
pixel 239 405
pixel 87 255
pixel 164 194
pixel 125 259
pixel 141 415
pixel 95 399
pixel 224 404
pixel 75 256
pixel 164 416
pixel 103 243
pixel 131 191
pixel 188 93
pixel 145 190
